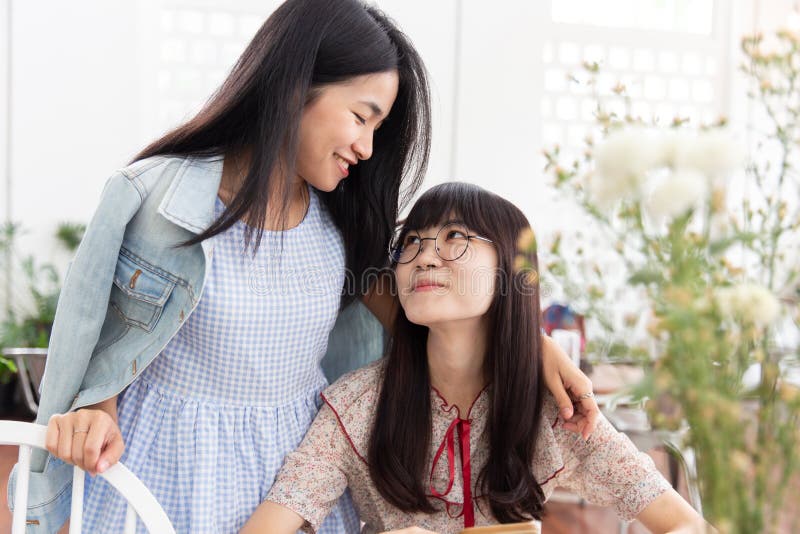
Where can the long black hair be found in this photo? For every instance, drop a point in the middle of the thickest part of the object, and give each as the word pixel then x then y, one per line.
pixel 400 438
pixel 302 47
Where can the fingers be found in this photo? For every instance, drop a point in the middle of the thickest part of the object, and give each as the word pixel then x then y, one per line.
pixel 88 439
pixel 112 451
pixel 51 437
pixel 561 376
pixel 64 446
pixel 565 408
pixel 579 425
pixel 585 419
pixel 92 448
pixel 579 412
pixel 78 440
pixel 591 411
pixel 585 405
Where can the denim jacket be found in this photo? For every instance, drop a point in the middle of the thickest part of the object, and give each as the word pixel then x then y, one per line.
pixel 127 292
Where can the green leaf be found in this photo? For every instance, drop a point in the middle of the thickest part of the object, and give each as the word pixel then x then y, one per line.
pixel 646 276
pixel 7 364
pixel 70 234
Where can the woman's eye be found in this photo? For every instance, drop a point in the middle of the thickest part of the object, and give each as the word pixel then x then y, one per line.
pixel 360 119
pixel 456 234
pixel 410 240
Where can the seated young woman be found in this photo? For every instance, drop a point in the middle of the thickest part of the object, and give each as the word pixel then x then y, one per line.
pixel 454 427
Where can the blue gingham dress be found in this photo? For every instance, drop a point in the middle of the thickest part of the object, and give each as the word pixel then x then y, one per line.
pixel 206 426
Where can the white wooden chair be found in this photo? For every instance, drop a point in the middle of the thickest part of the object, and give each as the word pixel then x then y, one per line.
pixel 141 502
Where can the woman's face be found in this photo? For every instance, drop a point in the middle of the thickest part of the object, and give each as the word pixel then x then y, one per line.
pixel 435 291
pixel 337 127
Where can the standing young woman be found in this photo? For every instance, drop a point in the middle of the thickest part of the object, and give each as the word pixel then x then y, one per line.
pixel 454 428
pixel 195 314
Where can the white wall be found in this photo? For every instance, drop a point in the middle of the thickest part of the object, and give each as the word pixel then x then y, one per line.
pixel 499 138
pixel 5 15
pixel 75 109
pixel 86 96
pixel 434 36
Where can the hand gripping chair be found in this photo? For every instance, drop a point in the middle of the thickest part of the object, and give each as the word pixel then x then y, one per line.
pixel 141 502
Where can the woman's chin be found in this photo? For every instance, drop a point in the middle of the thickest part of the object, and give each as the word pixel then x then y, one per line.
pixel 421 319
pixel 327 185
pixel 424 317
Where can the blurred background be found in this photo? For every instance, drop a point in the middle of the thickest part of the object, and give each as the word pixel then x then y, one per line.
pixel 85 84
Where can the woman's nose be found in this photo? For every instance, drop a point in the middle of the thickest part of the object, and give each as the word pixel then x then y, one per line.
pixel 427 255
pixel 363 146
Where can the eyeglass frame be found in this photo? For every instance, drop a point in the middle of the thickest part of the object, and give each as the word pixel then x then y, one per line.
pixel 435 248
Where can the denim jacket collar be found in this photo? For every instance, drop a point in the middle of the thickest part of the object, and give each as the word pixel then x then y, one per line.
pixel 189 200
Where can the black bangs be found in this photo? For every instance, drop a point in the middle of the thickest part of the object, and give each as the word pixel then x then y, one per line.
pixel 455 201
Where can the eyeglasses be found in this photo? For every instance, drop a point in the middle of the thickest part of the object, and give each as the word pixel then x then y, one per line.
pixel 451 243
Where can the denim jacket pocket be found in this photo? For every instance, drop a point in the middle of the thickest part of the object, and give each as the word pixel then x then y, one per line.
pixel 139 292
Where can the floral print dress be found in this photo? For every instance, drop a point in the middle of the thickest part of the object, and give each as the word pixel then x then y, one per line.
pixel 606 469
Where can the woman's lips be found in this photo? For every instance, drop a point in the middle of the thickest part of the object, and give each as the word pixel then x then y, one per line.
pixel 343 165
pixel 427 286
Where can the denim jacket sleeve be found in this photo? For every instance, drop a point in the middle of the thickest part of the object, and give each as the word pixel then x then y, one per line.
pixel 83 301
pixel 357 339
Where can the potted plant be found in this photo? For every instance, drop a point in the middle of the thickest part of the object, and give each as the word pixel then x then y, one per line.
pixel 707 279
pixel 31 304
pixel 7 383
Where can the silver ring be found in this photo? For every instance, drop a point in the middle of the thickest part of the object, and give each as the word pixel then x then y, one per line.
pixel 586 396
pixel 79 431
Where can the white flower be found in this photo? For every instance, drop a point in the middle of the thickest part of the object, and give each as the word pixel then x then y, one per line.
pixel 713 152
pixel 770 45
pixel 676 141
pixel 676 193
pixel 621 164
pixel 605 192
pixel 751 303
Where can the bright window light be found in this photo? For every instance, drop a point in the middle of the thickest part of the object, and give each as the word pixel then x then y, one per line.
pixel 684 16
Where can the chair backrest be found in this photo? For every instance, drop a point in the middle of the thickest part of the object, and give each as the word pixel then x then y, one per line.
pixel 141 502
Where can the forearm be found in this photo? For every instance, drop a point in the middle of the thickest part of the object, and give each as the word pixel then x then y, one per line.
pixel 109 406
pixel 272 518
pixel 670 513
pixel 699 528
pixel 381 300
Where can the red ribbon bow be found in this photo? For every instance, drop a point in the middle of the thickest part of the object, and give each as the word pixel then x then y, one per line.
pixel 462 426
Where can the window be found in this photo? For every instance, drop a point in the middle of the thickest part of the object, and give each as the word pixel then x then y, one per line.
pixel 685 16
pixel 664 75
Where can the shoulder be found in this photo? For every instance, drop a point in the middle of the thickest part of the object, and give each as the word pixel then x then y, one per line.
pixel 353 399
pixel 144 174
pixel 139 178
pixel 356 387
pixel 149 181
